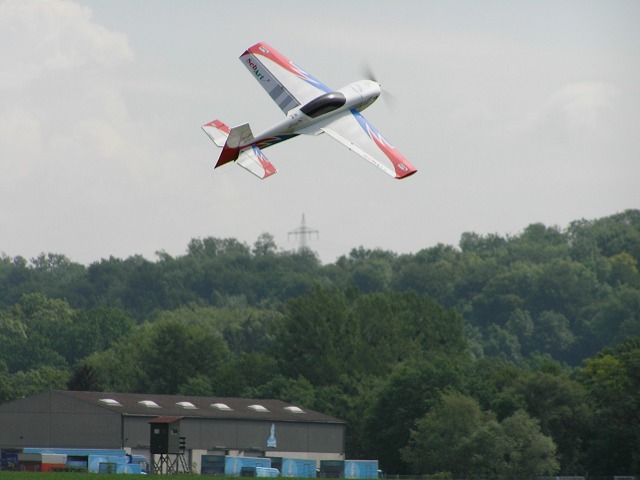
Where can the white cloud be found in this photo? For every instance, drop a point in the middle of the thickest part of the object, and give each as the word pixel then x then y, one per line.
pixel 40 35
pixel 20 139
pixel 64 125
pixel 576 109
pixel 53 93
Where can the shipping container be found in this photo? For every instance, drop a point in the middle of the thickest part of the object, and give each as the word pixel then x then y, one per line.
pixel 332 468
pixel 9 458
pixel 52 462
pixel 106 463
pixel 212 465
pixel 360 469
pixel 233 466
pixel 37 459
pixel 30 462
pixel 294 467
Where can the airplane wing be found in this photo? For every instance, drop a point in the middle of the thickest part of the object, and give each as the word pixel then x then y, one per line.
pixel 285 82
pixel 354 131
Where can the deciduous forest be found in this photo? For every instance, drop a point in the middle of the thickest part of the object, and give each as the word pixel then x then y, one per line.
pixel 504 355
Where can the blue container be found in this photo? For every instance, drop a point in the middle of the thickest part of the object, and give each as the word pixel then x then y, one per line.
pixel 106 463
pixel 293 467
pixel 233 465
pixel 9 458
pixel 360 469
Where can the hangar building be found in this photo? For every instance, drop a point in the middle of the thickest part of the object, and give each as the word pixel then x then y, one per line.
pixel 209 425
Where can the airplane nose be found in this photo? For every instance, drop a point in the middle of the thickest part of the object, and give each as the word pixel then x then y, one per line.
pixel 376 90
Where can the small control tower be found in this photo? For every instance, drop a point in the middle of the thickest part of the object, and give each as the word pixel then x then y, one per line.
pixel 166 443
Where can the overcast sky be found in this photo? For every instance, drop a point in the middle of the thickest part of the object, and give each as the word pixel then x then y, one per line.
pixel 512 112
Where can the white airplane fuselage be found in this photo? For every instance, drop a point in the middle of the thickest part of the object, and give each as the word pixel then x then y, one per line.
pixel 355 96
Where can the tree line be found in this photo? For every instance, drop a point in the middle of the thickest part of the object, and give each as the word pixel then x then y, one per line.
pixel 515 355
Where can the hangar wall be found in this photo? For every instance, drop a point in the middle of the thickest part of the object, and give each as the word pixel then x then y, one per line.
pixel 82 420
pixel 46 421
pixel 240 435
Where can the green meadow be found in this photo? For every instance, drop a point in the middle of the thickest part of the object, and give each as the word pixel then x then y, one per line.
pixel 4 475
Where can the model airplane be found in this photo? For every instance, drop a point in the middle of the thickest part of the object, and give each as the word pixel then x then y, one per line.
pixel 312 108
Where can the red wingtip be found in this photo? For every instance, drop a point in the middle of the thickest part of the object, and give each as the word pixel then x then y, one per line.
pixel 408 174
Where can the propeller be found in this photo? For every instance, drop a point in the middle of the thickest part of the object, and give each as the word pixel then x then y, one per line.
pixel 369 74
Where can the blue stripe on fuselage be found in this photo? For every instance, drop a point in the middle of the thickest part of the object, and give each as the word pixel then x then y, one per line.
pixel 268 142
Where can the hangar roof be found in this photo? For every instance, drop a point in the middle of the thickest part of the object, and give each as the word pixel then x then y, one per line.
pixel 199 407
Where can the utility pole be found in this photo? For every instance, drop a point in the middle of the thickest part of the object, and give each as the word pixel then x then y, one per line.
pixel 303 234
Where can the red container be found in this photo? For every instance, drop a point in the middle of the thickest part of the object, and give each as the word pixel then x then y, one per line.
pixel 52 467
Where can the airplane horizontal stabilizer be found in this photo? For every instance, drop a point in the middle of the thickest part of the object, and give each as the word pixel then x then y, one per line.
pixel 253 160
pixel 217 131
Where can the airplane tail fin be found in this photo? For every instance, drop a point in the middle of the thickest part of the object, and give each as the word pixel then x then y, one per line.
pixel 250 158
pixel 229 139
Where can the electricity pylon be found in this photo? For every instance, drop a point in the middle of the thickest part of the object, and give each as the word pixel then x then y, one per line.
pixel 303 234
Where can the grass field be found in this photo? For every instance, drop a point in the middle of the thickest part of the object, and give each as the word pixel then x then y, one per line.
pixel 4 475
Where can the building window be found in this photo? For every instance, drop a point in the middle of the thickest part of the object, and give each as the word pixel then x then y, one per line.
pixel 258 408
pixel 294 409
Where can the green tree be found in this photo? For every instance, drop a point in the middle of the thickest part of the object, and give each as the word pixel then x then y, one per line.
pixel 84 378
pixel 173 353
pixel 561 406
pixel 494 382
pixel 298 391
pixel 553 334
pixel 367 270
pixel 456 437
pixel 612 380
pixel 93 331
pixel 612 320
pixel 539 244
pixel 265 245
pixel 117 369
pixel 502 343
pixel 316 338
pixel 624 270
pixel 530 453
pixel 36 380
pixel 436 280
pixel 31 336
pixel 505 293
pixel 402 398
pixel 244 374
pixel 440 441
pixel 6 392
pixel 200 385
pixel 158 358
